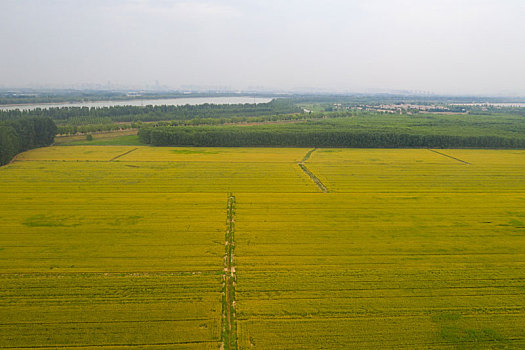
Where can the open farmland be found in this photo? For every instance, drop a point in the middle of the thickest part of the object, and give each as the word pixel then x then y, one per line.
pixel 124 246
pixel 410 249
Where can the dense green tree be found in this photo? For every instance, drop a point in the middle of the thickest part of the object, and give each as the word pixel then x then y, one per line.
pixel 24 133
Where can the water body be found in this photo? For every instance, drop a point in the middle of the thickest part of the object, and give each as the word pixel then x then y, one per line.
pixel 497 104
pixel 153 102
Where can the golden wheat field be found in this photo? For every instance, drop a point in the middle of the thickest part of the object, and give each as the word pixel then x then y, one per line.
pixel 139 247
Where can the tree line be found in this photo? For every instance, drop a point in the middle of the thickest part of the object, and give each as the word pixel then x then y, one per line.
pixel 310 136
pixel 21 134
pixel 149 113
pixel 72 129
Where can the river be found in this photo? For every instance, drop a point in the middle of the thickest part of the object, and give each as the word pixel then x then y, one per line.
pixel 138 102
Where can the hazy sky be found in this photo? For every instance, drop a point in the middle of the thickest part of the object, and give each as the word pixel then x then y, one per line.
pixel 443 46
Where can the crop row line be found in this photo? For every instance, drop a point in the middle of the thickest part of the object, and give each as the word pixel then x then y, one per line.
pixel 404 296
pixel 311 317
pixel 106 322
pixel 70 346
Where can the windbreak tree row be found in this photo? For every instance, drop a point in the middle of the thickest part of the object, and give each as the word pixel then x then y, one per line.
pixel 24 133
pixel 303 137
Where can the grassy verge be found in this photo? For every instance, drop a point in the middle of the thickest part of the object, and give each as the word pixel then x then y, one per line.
pixel 121 138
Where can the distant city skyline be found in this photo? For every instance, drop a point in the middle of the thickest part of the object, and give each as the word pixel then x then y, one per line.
pixel 462 47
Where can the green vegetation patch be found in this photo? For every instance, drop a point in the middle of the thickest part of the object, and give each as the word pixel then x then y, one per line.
pixel 42 220
pixel 191 151
pixel 126 220
pixel 516 223
pixel 127 140
pixel 456 334
pixel 453 330
pixel 446 316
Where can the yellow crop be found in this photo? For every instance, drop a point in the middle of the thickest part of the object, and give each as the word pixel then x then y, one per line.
pixel 122 246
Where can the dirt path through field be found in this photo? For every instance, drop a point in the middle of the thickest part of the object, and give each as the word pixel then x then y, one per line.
pixel 451 157
pixel 311 175
pixel 122 155
pixel 229 328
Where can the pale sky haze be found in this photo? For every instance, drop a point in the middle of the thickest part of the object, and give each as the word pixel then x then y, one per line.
pixel 445 46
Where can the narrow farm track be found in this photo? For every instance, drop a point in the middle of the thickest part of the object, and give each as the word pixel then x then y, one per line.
pixel 451 157
pixel 311 175
pixel 123 154
pixel 84 346
pixel 307 155
pixel 229 328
